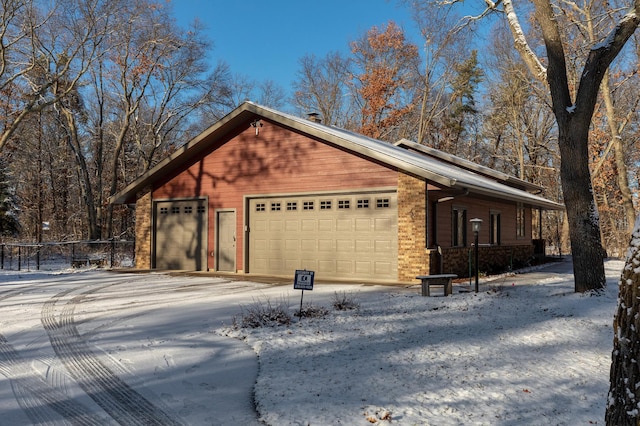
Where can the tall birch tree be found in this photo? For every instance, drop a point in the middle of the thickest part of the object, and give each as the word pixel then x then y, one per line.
pixel 573 108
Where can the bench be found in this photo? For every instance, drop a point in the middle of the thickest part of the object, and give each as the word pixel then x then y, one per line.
pixel 82 261
pixel 444 280
pixel 79 262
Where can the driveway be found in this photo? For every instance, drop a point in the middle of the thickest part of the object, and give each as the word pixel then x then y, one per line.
pixel 96 348
pixel 105 348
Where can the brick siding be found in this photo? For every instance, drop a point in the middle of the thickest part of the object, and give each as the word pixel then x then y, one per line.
pixel 492 259
pixel 143 230
pixel 412 254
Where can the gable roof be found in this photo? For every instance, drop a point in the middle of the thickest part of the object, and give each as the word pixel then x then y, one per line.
pixel 428 167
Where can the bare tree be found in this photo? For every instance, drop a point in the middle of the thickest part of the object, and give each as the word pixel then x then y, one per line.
pixel 56 42
pixel 444 47
pixel 154 74
pixel 573 110
pixel 322 87
pixel 271 94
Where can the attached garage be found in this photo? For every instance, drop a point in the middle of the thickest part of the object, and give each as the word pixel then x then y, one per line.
pixel 336 235
pixel 180 234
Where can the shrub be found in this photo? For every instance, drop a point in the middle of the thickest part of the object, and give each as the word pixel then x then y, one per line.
pixel 263 314
pixel 344 301
pixel 310 311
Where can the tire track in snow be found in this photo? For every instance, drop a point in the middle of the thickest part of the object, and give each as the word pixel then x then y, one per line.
pixel 42 402
pixel 109 391
pixel 36 396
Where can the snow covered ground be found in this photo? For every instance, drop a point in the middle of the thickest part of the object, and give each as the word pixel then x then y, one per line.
pixel 105 348
pixel 524 351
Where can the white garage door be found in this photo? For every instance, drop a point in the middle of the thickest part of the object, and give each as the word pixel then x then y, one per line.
pixel 352 236
pixel 181 235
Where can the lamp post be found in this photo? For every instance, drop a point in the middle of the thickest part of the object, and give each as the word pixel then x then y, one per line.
pixel 475 226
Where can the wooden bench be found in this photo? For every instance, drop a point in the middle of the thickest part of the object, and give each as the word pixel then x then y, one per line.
pixel 82 261
pixel 79 261
pixel 444 280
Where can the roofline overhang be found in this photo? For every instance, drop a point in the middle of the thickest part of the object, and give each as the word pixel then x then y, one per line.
pixel 504 177
pixel 339 137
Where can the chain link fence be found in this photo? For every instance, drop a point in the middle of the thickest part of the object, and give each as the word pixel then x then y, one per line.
pixel 53 256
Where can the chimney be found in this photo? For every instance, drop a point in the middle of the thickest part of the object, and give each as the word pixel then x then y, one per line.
pixel 315 117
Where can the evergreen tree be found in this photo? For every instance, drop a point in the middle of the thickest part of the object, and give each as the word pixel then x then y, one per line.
pixel 9 225
pixel 463 109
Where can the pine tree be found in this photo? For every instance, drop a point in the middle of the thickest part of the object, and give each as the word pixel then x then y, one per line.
pixel 9 224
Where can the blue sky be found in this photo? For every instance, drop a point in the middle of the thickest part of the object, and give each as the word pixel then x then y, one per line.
pixel 265 39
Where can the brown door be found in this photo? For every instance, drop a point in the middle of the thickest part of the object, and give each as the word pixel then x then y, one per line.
pixel 226 241
pixel 181 235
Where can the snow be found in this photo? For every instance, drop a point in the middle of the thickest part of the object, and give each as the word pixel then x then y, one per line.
pixel 525 350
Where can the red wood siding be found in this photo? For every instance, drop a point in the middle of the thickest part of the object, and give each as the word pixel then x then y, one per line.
pixel 480 208
pixel 276 160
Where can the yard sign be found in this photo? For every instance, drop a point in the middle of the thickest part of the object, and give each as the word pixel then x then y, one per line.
pixel 303 281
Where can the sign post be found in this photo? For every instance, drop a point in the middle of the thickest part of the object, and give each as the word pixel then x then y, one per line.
pixel 303 281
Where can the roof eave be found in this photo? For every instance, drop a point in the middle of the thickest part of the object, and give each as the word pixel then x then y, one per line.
pixel 525 198
pixel 504 177
pixel 189 150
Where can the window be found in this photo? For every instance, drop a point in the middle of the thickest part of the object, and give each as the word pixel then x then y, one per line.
pixel 494 231
pixel 307 205
pixel 363 204
pixel 459 226
pixel 275 207
pixel 175 210
pixel 292 206
pixel 201 209
pixel 164 210
pixel 520 221
pixel 260 207
pixel 382 203
pixel 325 205
pixel 344 204
pixel 188 209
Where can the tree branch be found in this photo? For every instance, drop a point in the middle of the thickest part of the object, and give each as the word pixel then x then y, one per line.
pixel 521 44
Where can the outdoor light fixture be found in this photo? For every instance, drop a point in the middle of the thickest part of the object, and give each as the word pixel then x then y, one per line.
pixel 256 124
pixel 475 227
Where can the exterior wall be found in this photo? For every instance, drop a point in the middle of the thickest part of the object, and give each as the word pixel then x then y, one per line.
pixel 412 236
pixel 143 230
pixel 275 161
pixel 480 208
pixel 512 250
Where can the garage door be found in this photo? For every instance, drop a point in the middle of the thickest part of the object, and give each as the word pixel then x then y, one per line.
pixel 351 236
pixel 181 235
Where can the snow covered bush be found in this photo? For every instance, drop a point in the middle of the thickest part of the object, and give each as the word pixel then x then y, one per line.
pixel 310 311
pixel 263 314
pixel 344 301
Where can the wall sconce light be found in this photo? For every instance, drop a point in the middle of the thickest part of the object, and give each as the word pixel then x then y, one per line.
pixel 256 124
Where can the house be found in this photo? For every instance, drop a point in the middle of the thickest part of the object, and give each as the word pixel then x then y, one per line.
pixel 264 192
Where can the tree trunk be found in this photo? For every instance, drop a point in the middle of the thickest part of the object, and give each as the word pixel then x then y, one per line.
pixel 114 169
pixel 618 152
pixel 624 392
pixel 85 179
pixel 584 227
